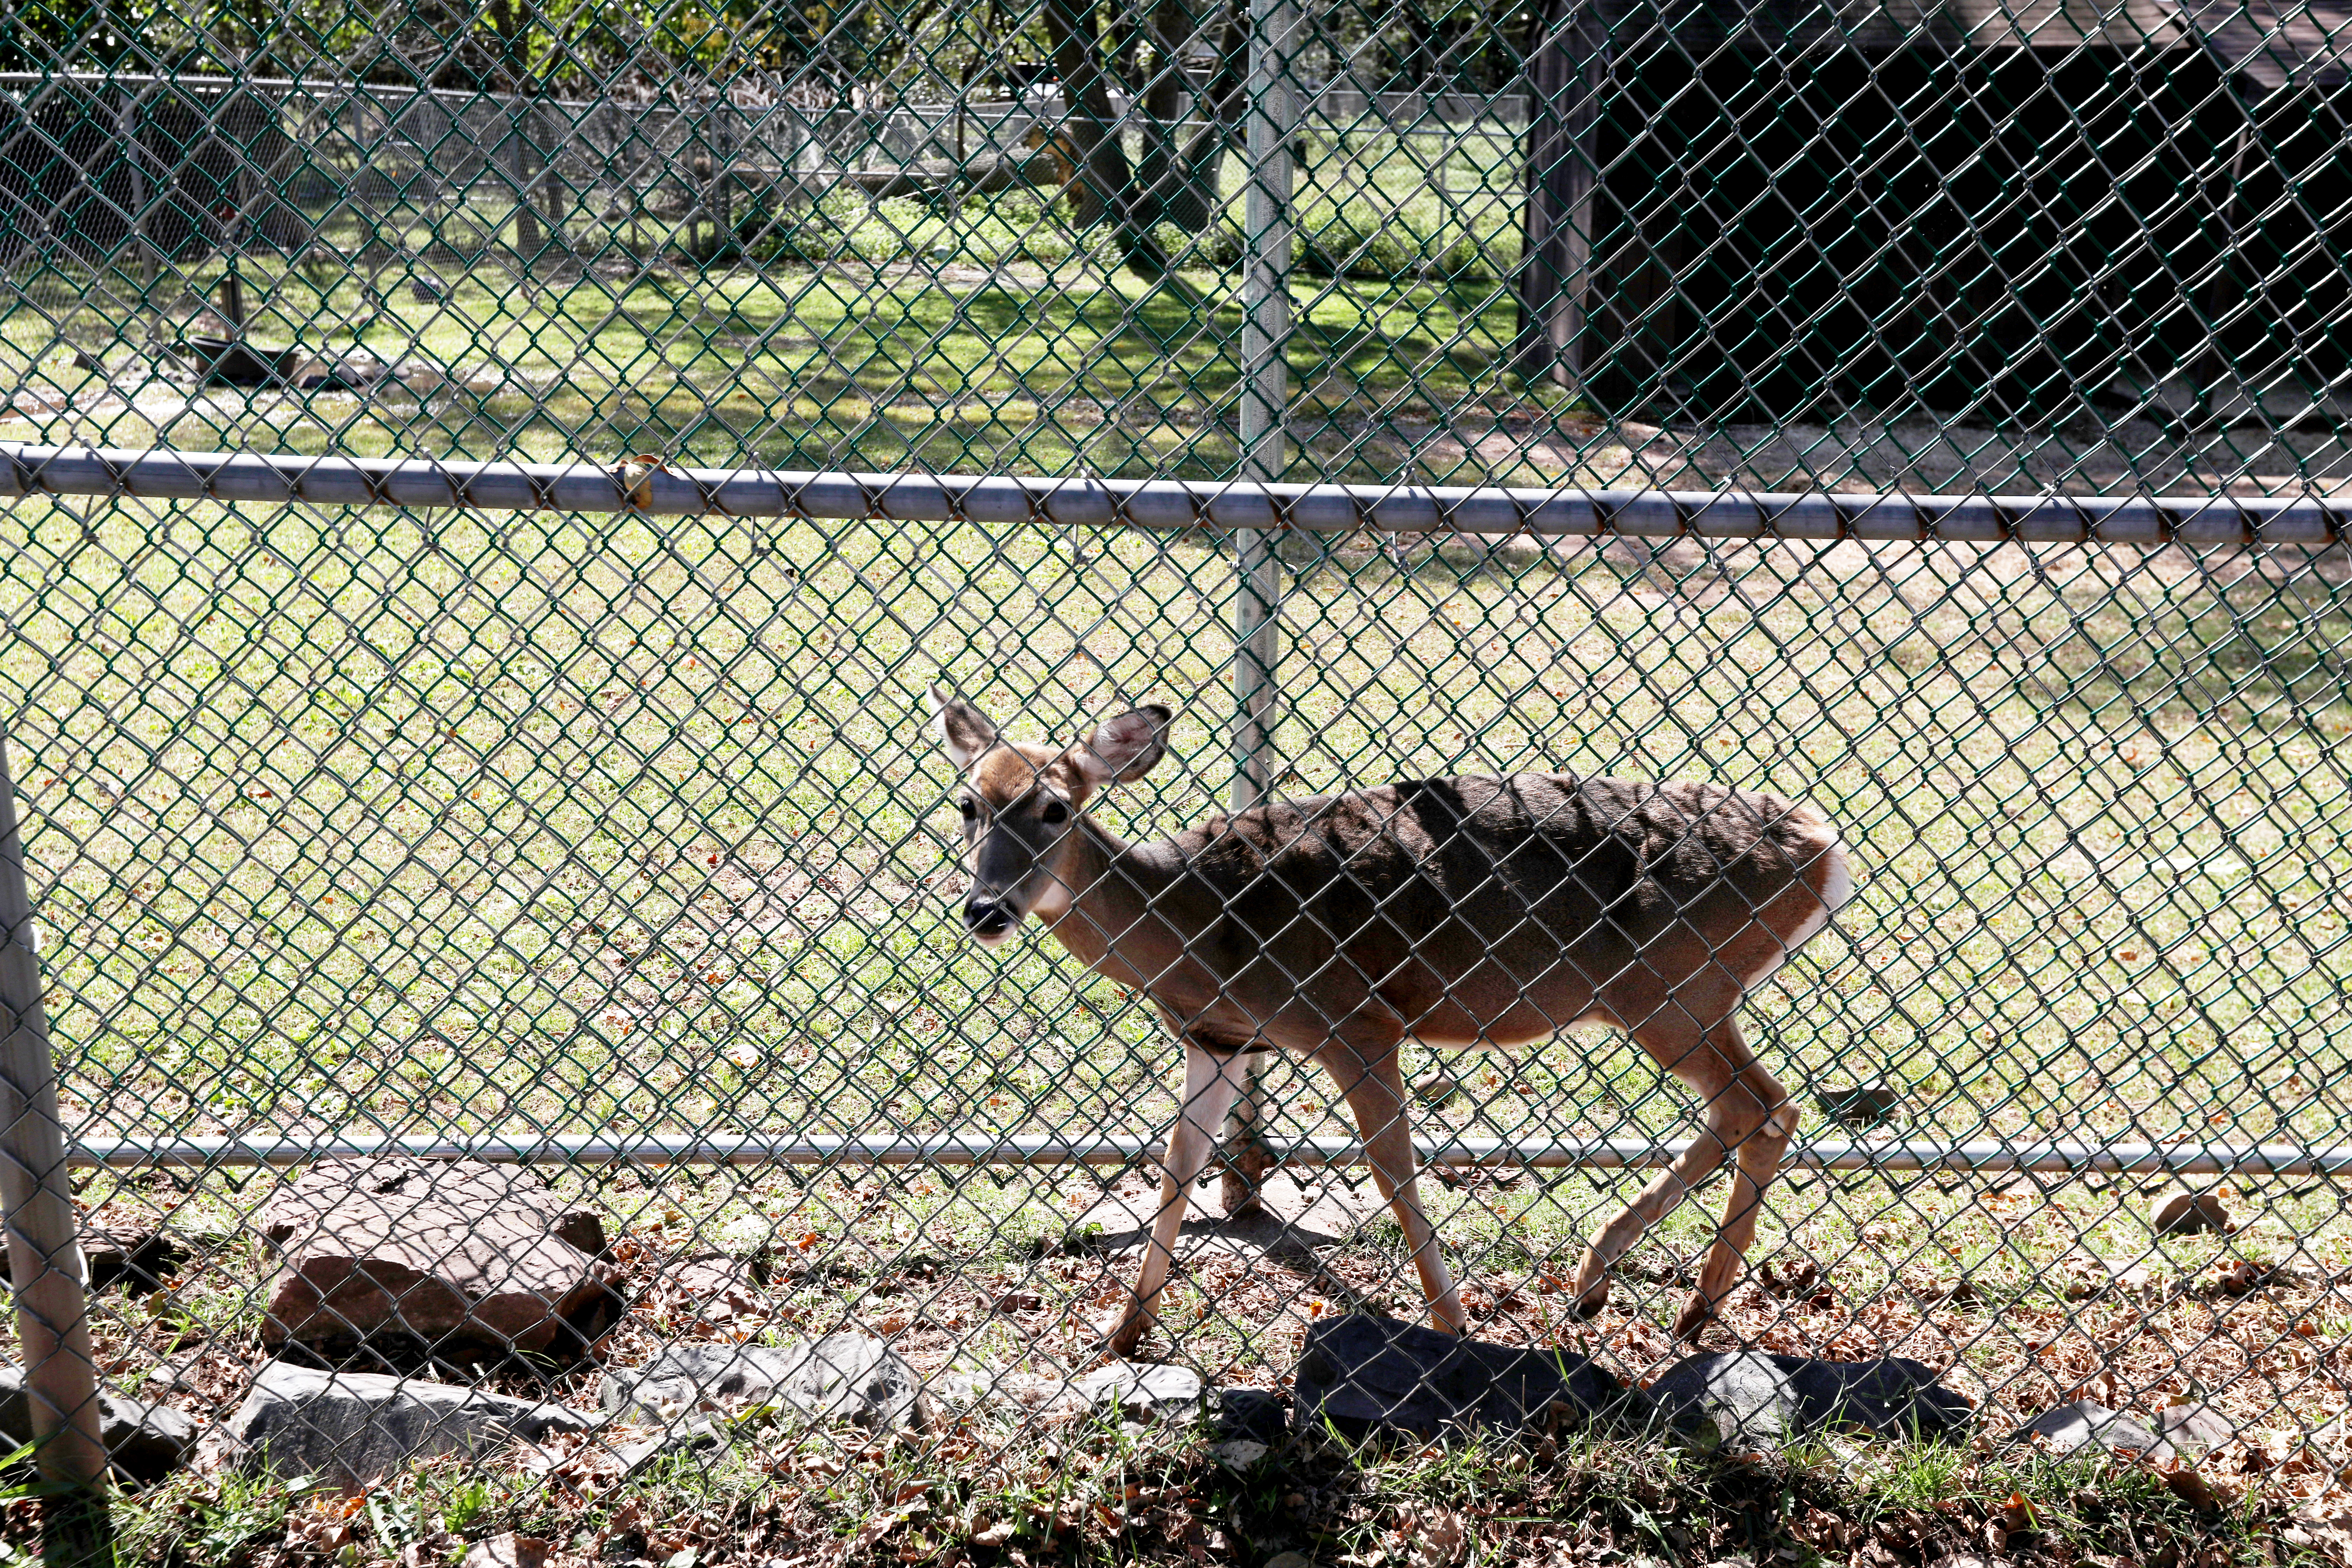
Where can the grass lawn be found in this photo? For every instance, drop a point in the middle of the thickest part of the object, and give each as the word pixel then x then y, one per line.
pixel 406 823
pixel 982 336
pixel 364 824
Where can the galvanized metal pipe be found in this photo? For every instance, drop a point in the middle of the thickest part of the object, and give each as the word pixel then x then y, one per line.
pixel 1989 1156
pixel 1171 504
pixel 1265 458
pixel 45 1262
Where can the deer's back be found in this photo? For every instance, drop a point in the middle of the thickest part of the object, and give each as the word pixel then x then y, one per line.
pixel 1482 908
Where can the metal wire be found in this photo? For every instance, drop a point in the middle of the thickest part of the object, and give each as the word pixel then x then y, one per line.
pixel 525 539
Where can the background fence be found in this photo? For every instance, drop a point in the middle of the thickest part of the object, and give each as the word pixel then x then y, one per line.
pixel 588 818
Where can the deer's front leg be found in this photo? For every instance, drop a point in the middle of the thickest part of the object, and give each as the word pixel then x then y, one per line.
pixel 1211 1081
pixel 1373 1080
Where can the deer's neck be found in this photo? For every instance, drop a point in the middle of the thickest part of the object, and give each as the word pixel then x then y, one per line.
pixel 1111 924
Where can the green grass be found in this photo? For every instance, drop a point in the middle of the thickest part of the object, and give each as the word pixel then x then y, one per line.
pixel 432 824
pixel 982 336
pixel 1093 1493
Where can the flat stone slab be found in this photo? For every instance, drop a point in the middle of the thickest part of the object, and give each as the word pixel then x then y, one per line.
pixel 2195 1430
pixel 145 1442
pixel 2087 1423
pixel 850 1377
pixel 1365 1374
pixel 1757 1398
pixel 1143 1391
pixel 347 1429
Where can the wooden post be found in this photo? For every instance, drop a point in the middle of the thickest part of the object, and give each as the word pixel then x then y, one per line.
pixel 1258 572
pixel 45 1264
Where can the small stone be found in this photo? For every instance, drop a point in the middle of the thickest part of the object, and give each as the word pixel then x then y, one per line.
pixel 1149 1392
pixel 2194 1429
pixel 1756 1398
pixel 509 1551
pixel 1290 1560
pixel 145 1442
pixel 2087 1422
pixel 1438 1088
pixel 1872 1104
pixel 840 1376
pixel 2179 1212
pixel 1238 1454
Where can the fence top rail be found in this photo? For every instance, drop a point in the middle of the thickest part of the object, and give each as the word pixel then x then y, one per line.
pixel 654 489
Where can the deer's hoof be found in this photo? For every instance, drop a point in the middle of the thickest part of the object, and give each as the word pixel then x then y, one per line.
pixel 1588 1304
pixel 1125 1335
pixel 1696 1313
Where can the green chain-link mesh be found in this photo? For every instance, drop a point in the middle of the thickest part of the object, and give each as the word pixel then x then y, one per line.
pixel 352 828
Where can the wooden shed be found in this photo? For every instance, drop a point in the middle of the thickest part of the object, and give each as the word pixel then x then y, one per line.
pixel 2006 208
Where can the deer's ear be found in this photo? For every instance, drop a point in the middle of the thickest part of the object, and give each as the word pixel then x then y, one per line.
pixel 1124 748
pixel 962 729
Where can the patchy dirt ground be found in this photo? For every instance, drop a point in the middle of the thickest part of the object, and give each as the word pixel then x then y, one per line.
pixel 2257 1332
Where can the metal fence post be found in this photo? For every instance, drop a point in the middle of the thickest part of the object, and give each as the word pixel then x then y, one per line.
pixel 45 1262
pixel 1258 572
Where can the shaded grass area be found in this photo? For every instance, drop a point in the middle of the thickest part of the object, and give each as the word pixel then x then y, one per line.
pixel 986 335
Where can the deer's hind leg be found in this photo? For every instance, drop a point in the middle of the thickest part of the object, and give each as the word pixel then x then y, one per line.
pixel 1749 1119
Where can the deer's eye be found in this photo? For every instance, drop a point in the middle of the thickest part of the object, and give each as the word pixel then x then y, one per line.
pixel 969 810
pixel 1055 812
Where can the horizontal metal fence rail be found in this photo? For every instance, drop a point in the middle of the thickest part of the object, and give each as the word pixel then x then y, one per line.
pixel 1989 1156
pixel 427 482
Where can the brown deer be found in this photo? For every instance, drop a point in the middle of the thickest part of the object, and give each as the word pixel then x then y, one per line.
pixel 1454 911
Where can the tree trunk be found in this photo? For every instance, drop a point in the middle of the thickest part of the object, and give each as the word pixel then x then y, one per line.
pixel 1568 68
pixel 1103 189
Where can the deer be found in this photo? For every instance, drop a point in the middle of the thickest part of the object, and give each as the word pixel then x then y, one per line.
pixel 1464 912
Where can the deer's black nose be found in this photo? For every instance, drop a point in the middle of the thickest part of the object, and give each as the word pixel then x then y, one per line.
pixel 986 917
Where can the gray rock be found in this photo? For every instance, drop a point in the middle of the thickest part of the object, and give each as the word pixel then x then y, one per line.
pixel 145 1442
pixel 2194 1430
pixel 839 1377
pixel 2179 1212
pixel 348 1429
pixel 1366 1374
pixel 2087 1422
pixel 1754 1398
pixel 1143 1392
pixel 1251 1414
pixel 1238 1454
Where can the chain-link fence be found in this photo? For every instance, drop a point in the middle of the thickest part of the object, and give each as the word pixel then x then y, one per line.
pixel 510 893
